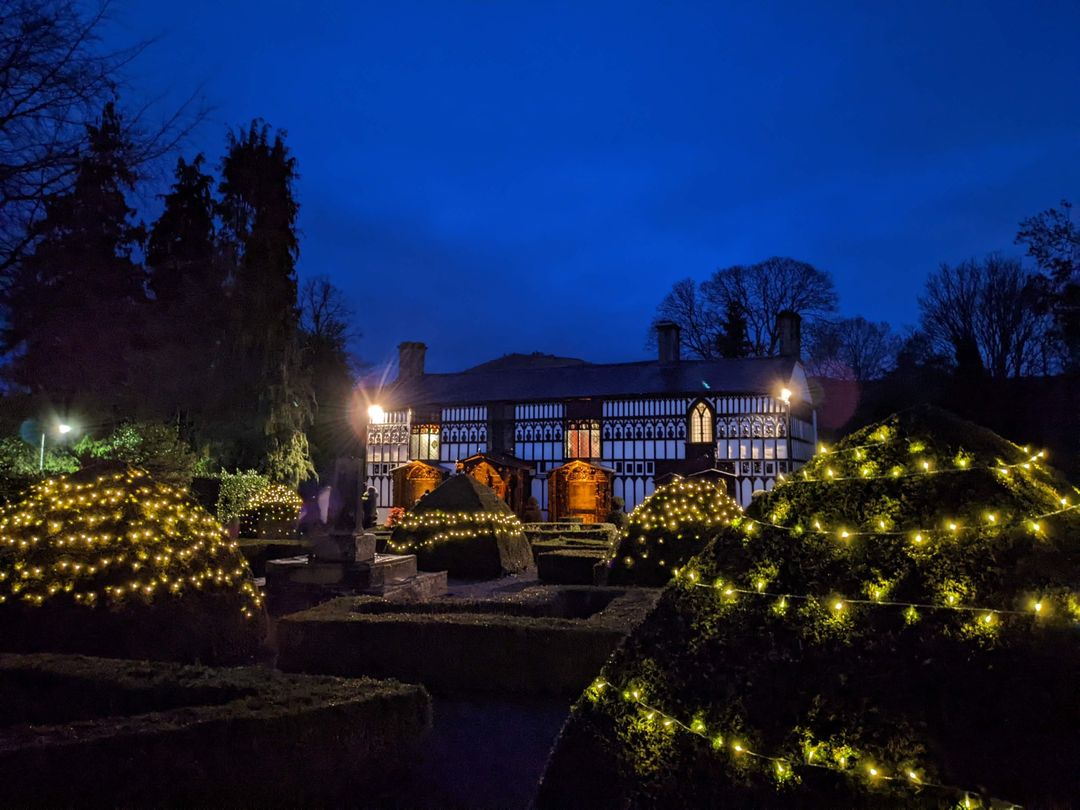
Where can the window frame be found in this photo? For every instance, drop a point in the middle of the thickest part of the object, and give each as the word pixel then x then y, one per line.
pixel 694 419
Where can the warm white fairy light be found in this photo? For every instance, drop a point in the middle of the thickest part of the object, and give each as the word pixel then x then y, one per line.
pixel 55 544
pixel 818 754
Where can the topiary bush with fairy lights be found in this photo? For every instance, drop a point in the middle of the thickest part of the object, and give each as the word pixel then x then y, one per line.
pixel 272 512
pixel 465 529
pixel 113 563
pixel 897 626
pixel 667 529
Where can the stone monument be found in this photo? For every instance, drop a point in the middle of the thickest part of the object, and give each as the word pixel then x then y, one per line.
pixel 342 560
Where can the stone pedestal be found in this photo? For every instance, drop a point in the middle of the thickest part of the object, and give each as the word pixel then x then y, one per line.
pixel 343 547
pixel 297 583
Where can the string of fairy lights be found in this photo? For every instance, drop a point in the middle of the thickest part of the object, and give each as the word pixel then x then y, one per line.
pixel 1038 606
pixel 436 526
pixel 115 538
pixel 839 758
pixel 273 504
pixel 686 509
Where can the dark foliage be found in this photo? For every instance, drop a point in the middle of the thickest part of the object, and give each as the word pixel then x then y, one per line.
pixel 983 704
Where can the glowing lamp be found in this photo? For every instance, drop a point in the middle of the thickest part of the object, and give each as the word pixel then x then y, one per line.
pixel 63 429
pixel 376 415
pixel 785 395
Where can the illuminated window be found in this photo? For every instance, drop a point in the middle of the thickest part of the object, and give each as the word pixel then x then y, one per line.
pixel 424 442
pixel 583 439
pixel 701 424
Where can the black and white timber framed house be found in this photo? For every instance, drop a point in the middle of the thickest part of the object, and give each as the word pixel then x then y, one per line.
pixel 575 434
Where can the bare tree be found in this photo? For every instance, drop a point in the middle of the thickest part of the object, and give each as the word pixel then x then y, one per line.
pixel 698 321
pixel 758 293
pixel 989 316
pixel 852 349
pixel 54 79
pixel 763 290
pixel 324 312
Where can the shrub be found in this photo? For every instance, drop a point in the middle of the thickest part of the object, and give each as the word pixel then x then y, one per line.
pixel 237 490
pixel 21 460
pixel 118 564
pixel 895 627
pixel 464 528
pixel 668 528
pixel 394 516
pixel 157 448
pixel 272 512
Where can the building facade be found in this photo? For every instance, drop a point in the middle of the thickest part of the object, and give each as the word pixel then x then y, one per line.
pixel 577 434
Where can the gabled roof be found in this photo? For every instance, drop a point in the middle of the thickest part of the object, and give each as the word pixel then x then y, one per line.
pixel 686 377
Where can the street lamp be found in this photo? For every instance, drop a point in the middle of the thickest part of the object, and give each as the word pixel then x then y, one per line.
pixel 63 429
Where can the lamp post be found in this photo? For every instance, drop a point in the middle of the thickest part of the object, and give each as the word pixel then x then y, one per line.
pixel 62 429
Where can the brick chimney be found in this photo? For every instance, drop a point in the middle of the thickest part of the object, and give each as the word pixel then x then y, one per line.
pixel 411 360
pixel 789 334
pixel 667 340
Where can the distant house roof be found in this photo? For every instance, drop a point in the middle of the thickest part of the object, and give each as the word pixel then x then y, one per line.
pixel 519 362
pixel 530 383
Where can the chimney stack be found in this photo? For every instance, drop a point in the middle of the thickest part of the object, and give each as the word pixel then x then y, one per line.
pixel 789 334
pixel 667 339
pixel 410 360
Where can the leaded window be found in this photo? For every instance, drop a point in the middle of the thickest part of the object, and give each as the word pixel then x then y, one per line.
pixel 701 424
pixel 583 439
pixel 424 443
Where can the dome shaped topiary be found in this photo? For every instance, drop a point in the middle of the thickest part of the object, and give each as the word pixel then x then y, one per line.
pixel 668 528
pixel 895 627
pixel 116 564
pixel 464 528
pixel 272 512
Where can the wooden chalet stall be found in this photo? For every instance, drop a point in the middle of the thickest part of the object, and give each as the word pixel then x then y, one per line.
pixel 580 490
pixel 413 480
pixel 509 476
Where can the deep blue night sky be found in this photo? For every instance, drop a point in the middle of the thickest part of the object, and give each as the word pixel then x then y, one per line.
pixel 506 176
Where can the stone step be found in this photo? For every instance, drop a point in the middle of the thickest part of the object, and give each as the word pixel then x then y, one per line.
pixel 391 567
pixel 420 587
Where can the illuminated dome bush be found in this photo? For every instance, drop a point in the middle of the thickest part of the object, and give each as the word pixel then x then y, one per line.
pixel 465 529
pixel 899 626
pixel 113 563
pixel 272 512
pixel 668 528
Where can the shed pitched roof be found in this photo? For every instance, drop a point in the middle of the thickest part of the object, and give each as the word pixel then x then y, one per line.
pixel 687 377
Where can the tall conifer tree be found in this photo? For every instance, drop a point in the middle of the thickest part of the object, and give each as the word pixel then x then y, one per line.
pixel 258 212
pixel 74 306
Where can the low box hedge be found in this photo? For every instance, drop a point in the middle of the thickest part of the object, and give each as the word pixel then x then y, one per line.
pixel 88 731
pixel 540 640
pixel 569 566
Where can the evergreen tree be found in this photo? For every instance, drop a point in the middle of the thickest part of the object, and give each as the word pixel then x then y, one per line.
pixel 73 306
pixel 187 279
pixel 732 340
pixel 258 212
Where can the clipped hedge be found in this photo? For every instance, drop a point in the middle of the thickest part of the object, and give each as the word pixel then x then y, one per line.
pixel 465 529
pixel 667 529
pixel 272 512
pixel 113 563
pixel 569 566
pixel 78 731
pixel 896 627
pixel 540 640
